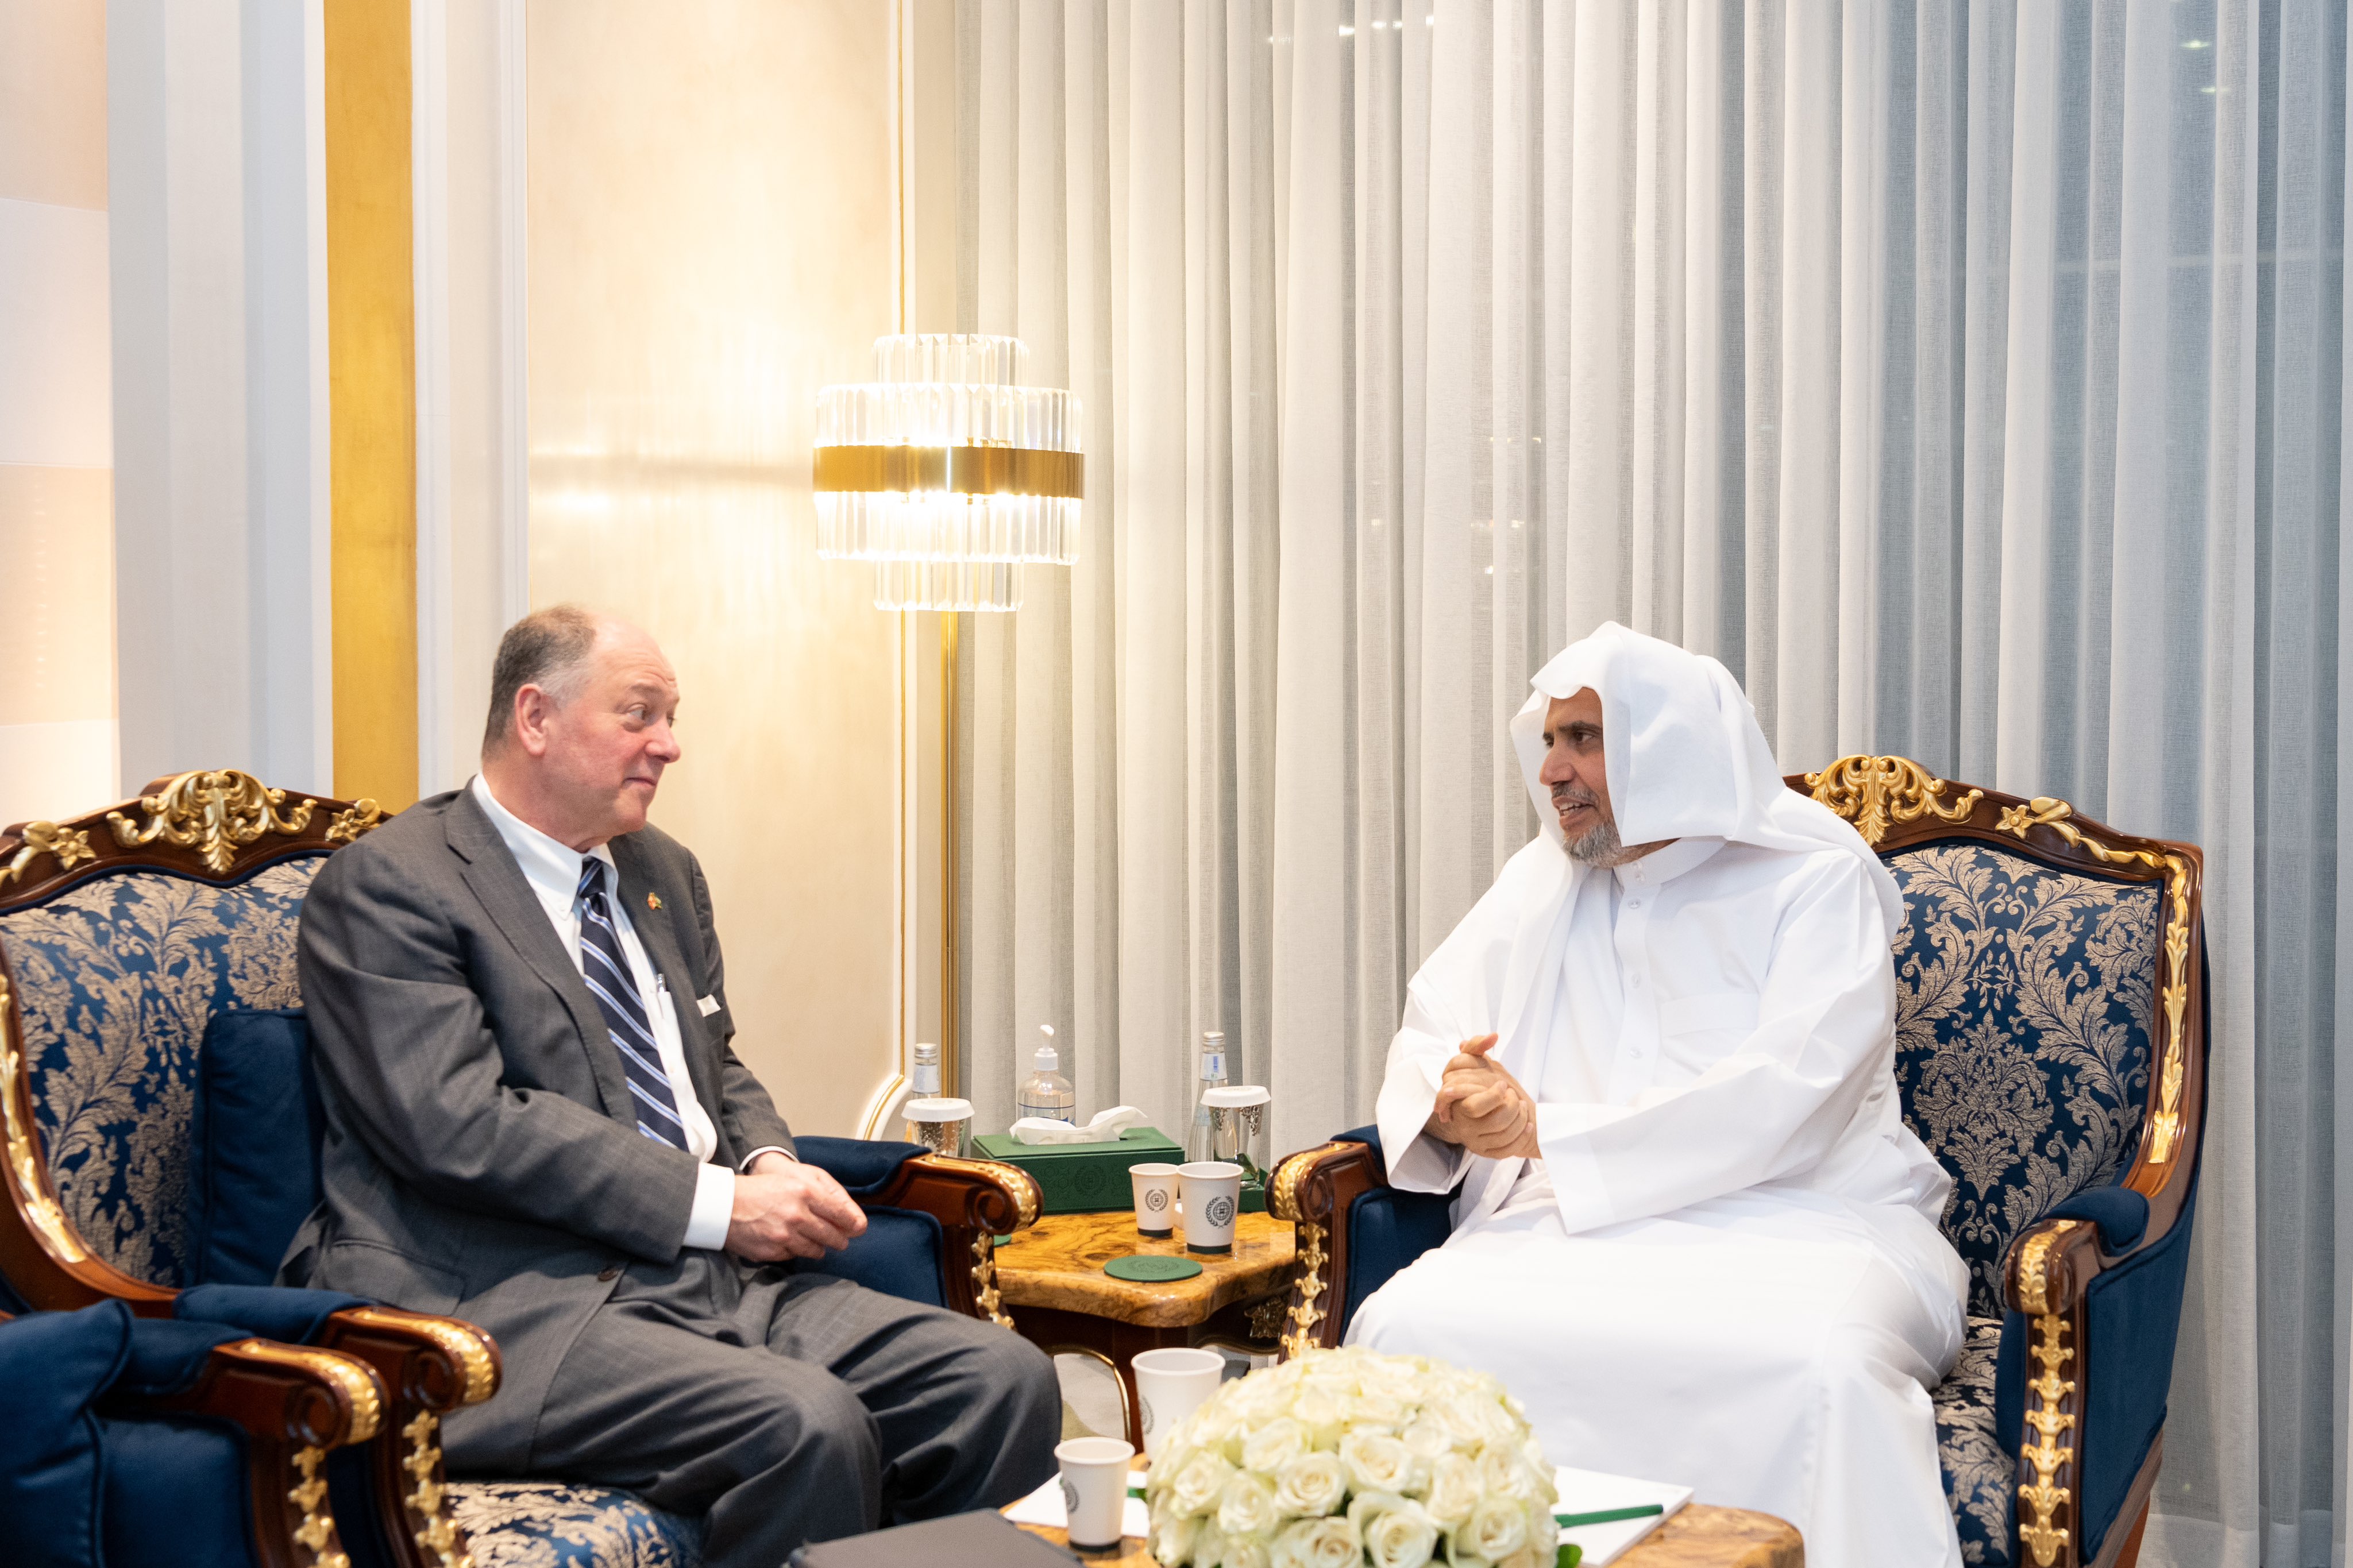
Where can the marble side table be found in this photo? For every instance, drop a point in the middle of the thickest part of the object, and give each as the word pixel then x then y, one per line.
pixel 1050 1279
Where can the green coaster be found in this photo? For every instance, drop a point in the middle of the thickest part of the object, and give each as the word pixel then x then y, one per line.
pixel 1146 1269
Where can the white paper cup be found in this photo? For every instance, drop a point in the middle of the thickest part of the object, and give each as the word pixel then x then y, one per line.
pixel 1155 1198
pixel 1169 1386
pixel 1094 1489
pixel 1213 1196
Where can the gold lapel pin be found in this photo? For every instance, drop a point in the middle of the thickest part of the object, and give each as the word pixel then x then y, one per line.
pixel 653 900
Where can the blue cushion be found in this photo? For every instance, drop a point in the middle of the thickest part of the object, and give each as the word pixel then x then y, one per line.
pixel 175 1494
pixel 862 1166
pixel 2121 1213
pixel 899 1255
pixel 1387 1228
pixel 2135 1318
pixel 98 1482
pixel 116 980
pixel 253 1154
pixel 558 1524
pixel 2025 1007
pixel 273 1311
pixel 53 1365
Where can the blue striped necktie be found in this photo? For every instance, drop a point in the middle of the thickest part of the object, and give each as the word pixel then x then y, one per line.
pixel 607 970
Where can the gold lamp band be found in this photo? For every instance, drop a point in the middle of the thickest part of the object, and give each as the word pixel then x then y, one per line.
pixel 965 470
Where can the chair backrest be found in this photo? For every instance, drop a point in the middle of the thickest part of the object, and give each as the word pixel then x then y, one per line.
pixel 122 933
pixel 2050 1018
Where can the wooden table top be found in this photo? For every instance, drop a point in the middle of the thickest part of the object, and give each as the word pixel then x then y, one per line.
pixel 1059 1262
pixel 1697 1537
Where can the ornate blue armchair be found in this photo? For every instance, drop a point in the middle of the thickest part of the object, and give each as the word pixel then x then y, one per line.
pixel 2050 1051
pixel 132 1441
pixel 162 1133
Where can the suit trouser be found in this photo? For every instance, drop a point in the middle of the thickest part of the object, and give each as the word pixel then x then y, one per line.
pixel 790 1409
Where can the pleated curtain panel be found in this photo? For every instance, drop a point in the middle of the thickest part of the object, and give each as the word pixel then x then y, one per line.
pixel 1969 378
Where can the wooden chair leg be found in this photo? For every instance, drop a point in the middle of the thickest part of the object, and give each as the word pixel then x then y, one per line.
pixel 2130 1554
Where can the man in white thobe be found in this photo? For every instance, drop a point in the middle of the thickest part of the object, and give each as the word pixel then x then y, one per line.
pixel 1693 1235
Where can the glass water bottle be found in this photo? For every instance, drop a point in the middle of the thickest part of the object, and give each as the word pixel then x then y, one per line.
pixel 1198 1141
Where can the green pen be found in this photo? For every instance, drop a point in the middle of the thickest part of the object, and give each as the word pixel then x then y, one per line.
pixel 1607 1515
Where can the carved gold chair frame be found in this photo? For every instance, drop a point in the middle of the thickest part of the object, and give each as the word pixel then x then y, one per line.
pixel 221 826
pixel 1896 804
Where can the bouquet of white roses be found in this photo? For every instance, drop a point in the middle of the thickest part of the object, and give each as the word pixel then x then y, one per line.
pixel 1342 1457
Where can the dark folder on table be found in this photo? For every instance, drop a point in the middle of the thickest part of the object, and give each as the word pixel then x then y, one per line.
pixel 981 1540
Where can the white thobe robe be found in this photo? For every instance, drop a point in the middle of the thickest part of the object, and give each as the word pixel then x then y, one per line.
pixel 1726 1272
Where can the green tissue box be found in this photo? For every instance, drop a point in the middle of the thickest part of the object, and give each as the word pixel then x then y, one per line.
pixel 1085 1178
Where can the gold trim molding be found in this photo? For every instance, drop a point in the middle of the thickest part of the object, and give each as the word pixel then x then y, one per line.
pixel 2052 1423
pixel 69 845
pixel 346 1372
pixel 452 1339
pixel 964 470
pixel 438 1534
pixel 1875 792
pixel 215 813
pixel 24 1166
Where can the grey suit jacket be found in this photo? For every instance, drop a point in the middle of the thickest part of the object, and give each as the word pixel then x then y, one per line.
pixel 481 1156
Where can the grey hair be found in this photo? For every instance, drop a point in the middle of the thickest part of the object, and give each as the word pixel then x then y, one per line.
pixel 548 648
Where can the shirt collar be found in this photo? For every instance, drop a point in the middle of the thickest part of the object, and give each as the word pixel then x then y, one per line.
pixel 548 864
pixel 1666 865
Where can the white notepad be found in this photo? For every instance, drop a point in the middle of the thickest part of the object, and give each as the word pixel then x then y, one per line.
pixel 1590 1492
pixel 1044 1507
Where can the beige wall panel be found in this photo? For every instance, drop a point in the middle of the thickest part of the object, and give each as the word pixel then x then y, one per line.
pixel 56 641
pixel 53 101
pixel 711 240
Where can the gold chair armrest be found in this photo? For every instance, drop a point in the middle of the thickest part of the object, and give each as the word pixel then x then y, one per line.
pixel 295 1403
pixel 1313 1190
pixel 976 1200
pixel 430 1367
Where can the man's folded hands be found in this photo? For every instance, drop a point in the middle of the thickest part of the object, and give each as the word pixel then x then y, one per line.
pixel 787 1209
pixel 1481 1107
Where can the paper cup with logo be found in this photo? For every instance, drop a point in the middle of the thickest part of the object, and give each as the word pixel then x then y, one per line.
pixel 1213 1196
pixel 1094 1489
pixel 1170 1386
pixel 1155 1198
pixel 938 1124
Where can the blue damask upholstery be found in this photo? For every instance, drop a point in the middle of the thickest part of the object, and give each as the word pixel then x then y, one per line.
pixel 2025 1010
pixel 1980 1474
pixel 553 1524
pixel 117 979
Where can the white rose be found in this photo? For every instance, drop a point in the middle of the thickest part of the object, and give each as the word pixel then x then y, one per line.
pixel 1246 1551
pixel 1318 1544
pixel 1427 1439
pixel 1373 1409
pixel 1247 1505
pixel 1320 1413
pixel 1401 1537
pixel 1498 1528
pixel 1311 1484
pixel 1275 1445
pixel 1196 1487
pixel 1175 1539
pixel 1504 1474
pixel 1457 1418
pixel 1378 1462
pixel 1454 1490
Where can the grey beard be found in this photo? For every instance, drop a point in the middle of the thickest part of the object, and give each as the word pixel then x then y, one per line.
pixel 1599 846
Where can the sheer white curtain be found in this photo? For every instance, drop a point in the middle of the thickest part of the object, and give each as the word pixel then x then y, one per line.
pixel 1969 378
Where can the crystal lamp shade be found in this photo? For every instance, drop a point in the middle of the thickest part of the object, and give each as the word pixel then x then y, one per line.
pixel 948 473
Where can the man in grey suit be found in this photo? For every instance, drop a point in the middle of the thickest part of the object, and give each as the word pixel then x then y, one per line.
pixel 535 1122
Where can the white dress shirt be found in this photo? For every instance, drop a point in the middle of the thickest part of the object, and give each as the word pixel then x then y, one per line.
pixel 552 869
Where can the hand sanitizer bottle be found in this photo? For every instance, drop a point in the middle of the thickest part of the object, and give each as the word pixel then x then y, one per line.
pixel 1046 1092
pixel 1197 1141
